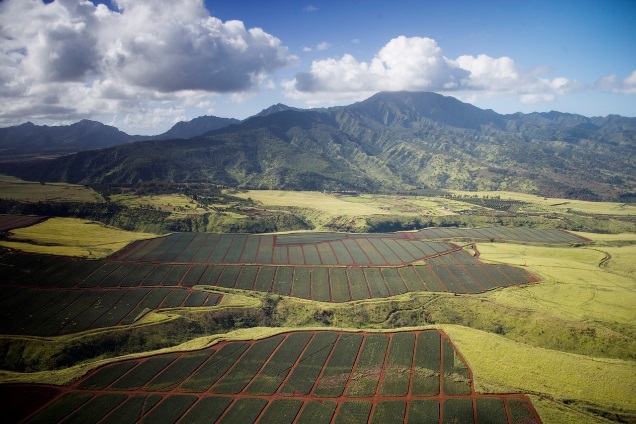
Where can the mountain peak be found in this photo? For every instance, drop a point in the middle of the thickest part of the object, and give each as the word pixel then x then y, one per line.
pixel 195 127
pixel 406 107
pixel 278 107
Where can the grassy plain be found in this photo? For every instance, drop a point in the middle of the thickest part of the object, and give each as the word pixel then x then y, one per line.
pixel 502 365
pixel 359 205
pixel 608 238
pixel 175 203
pixel 326 211
pixel 71 237
pixel 550 204
pixel 17 189
pixel 573 285
pixel 311 199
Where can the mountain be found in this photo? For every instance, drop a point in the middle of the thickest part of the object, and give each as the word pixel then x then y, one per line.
pixel 29 139
pixel 35 139
pixel 407 108
pixel 195 127
pixel 391 141
pixel 278 107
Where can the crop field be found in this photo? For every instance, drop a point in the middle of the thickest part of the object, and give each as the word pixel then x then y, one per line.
pixel 34 275
pixel 382 249
pixel 516 235
pixel 566 341
pixel 49 295
pixel 11 222
pixel 52 312
pixel 286 249
pixel 296 377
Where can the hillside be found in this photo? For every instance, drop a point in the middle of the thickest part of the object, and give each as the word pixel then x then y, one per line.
pixel 391 141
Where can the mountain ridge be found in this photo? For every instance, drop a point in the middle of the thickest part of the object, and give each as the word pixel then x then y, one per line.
pixel 391 141
pixel 29 138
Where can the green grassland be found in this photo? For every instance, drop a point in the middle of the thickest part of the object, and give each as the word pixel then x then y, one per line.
pixel 353 212
pixel 390 212
pixel 549 204
pixel 71 237
pixel 162 207
pixel 17 189
pixel 173 203
pixel 315 200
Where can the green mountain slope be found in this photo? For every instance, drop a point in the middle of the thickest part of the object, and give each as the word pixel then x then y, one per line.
pixel 391 141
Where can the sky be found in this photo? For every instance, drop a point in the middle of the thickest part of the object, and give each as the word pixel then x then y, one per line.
pixel 143 65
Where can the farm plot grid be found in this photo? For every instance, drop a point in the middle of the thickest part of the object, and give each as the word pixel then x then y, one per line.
pixel 298 377
pixel 35 278
pixel 47 295
pixel 520 235
pixel 384 249
pixel 291 249
pixel 11 222
pixel 54 312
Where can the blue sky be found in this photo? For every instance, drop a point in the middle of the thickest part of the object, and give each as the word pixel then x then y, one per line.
pixel 142 65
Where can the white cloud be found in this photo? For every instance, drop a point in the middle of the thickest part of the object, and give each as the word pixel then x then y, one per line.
pixel 612 83
pixel 494 76
pixel 417 64
pixel 319 47
pixel 69 57
pixel 402 64
pixel 310 8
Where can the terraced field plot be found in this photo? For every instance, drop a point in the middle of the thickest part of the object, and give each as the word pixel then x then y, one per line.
pixel 50 312
pixel 289 249
pixel 382 249
pixel 518 235
pixel 11 222
pixel 456 272
pixel 50 295
pixel 299 377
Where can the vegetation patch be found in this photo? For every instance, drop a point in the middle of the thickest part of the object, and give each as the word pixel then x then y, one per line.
pixel 16 189
pixel 71 237
pixel 235 389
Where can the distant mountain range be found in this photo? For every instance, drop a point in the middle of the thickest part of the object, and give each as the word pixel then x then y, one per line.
pixel 29 139
pixel 391 141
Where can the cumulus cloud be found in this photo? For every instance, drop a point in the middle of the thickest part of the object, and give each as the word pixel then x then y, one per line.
pixel 417 64
pixel 503 76
pixel 147 50
pixel 402 64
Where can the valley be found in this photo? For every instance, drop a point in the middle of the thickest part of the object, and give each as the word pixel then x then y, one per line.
pixel 407 258
pixel 543 344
